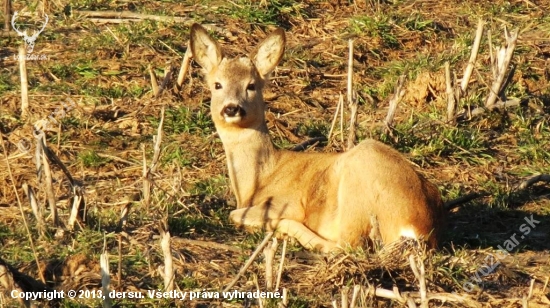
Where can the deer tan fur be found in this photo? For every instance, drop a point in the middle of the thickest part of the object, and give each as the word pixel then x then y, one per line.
pixel 325 201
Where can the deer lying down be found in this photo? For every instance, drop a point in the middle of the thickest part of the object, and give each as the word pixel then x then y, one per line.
pixel 325 201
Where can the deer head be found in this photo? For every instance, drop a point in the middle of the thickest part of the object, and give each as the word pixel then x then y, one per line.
pixel 29 40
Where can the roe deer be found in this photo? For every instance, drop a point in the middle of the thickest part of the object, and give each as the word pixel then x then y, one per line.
pixel 325 200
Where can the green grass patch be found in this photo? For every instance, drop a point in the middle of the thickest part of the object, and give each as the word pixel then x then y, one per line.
pixel 533 137
pixel 275 12
pixel 390 72
pixel 185 120
pixel 213 186
pixel 375 26
pixel 186 225
pixel 174 152
pixel 313 128
pixel 6 83
pixel 90 159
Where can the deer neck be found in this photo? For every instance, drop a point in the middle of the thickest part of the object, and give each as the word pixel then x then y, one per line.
pixel 251 157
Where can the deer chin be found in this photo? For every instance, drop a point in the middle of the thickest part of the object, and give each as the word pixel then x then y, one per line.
pixel 232 119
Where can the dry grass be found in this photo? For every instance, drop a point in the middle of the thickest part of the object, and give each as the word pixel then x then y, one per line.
pixel 103 67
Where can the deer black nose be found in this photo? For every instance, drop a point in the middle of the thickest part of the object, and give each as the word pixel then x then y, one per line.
pixel 233 110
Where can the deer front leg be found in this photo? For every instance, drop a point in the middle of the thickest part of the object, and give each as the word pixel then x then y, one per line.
pixel 305 236
pixel 271 219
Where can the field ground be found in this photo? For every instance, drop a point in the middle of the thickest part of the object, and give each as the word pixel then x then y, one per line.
pixel 103 67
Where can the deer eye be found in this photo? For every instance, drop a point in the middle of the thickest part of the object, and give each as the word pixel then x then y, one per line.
pixel 217 86
pixel 251 87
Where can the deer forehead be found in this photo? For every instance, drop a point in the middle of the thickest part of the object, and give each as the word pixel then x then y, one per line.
pixel 236 71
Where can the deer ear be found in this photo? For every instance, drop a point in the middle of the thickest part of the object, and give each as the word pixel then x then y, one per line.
pixel 206 51
pixel 270 52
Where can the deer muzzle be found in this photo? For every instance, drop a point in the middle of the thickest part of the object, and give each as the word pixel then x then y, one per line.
pixel 233 112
